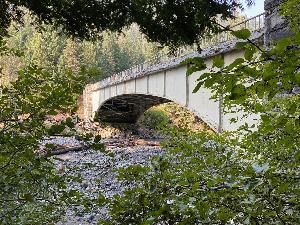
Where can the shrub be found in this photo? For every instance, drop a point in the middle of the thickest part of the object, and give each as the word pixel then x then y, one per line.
pixel 213 179
pixel 154 118
pixel 246 177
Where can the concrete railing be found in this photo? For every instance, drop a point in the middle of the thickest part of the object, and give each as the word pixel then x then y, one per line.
pixel 253 24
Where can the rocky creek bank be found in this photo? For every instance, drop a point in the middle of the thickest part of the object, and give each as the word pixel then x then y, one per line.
pixel 97 170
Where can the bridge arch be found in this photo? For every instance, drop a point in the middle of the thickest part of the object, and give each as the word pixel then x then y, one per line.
pixel 127 108
pixel 124 101
pixel 124 93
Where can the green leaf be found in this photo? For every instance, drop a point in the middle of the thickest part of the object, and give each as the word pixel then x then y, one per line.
pixel 236 63
pixel 28 197
pixel 242 34
pixel 56 129
pixel 191 70
pixel 297 155
pixel 283 187
pixel 195 60
pixel 297 78
pixel 297 38
pixel 70 123
pixel 98 147
pixel 97 139
pixel 198 86
pixel 292 109
pixel 196 64
pixel 101 200
pixel 249 52
pixel 218 62
pixel 241 45
pixel 237 92
pixel 282 45
pixel 49 146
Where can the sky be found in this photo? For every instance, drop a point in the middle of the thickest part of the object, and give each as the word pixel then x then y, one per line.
pixel 255 9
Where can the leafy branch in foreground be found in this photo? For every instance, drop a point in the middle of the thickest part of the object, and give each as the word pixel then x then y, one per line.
pixel 250 178
pixel 31 190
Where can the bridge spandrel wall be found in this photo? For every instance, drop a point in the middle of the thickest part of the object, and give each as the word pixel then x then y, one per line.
pixel 102 95
pixel 113 90
pixel 141 85
pixel 156 84
pixel 107 93
pixel 200 102
pixel 120 88
pixel 129 87
pixel 173 84
pixel 176 85
pixel 96 101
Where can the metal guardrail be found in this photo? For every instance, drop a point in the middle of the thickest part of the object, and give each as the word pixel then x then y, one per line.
pixel 254 24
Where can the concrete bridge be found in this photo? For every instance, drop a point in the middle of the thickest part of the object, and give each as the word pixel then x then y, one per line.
pixel 124 97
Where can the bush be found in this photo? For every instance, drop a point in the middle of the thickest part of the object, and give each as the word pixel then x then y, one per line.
pixel 154 118
pixel 246 177
pixel 213 179
pixel 182 117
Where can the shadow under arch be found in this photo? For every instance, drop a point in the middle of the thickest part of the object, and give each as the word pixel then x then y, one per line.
pixel 127 108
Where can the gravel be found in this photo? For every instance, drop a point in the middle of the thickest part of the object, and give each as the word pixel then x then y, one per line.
pixel 98 174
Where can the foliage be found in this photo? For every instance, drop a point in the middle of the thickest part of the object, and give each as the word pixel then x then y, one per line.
pixel 207 179
pixel 54 50
pixel 249 177
pixel 154 118
pixel 31 190
pixel 202 179
pixel 181 117
pixel 166 22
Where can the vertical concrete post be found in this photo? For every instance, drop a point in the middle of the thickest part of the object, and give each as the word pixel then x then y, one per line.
pixel 187 89
pixel 148 77
pixel 165 85
pixel 220 127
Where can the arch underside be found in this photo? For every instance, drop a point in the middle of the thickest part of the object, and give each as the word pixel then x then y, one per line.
pixel 127 108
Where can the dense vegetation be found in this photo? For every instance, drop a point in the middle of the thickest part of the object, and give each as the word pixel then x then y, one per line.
pixel 160 116
pixel 48 48
pixel 167 22
pixel 246 178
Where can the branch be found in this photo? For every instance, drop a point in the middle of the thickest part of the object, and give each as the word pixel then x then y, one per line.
pixel 226 28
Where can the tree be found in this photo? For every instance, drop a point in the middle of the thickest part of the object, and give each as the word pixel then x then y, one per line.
pixel 166 22
pixel 31 189
pixel 256 176
pixel 70 57
pixel 249 177
pixel 54 50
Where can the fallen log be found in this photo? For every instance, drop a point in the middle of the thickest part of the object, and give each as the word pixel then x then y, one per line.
pixel 146 143
pixel 60 151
